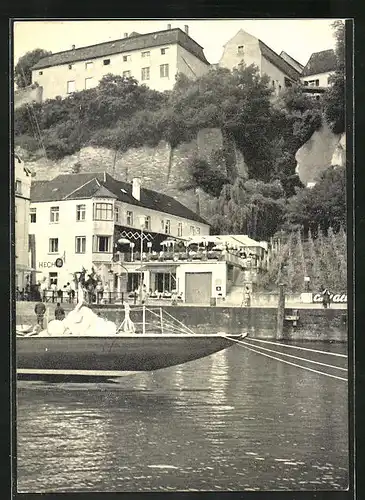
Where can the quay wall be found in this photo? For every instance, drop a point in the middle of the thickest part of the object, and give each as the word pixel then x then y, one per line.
pixel 260 322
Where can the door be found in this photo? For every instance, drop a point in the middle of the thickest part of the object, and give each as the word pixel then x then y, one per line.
pixel 198 288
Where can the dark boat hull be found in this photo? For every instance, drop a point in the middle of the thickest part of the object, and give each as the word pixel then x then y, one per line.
pixel 112 356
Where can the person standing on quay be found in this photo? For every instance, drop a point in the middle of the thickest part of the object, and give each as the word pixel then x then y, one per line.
pixel 40 310
pixel 326 300
pixel 247 297
pixel 59 312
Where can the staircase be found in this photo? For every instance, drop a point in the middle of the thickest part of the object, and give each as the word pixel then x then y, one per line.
pixel 235 294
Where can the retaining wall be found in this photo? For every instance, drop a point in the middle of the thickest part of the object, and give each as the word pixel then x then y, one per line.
pixel 259 322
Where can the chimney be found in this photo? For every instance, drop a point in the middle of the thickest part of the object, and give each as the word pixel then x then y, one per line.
pixel 73 47
pixel 125 35
pixel 169 26
pixel 186 28
pixel 136 188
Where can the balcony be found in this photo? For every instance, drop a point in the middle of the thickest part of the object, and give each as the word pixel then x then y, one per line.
pixel 201 256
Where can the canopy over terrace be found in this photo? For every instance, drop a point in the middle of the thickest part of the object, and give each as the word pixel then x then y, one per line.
pixel 234 241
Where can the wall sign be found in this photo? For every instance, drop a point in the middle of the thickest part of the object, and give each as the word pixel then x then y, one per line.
pixel 336 298
pixel 45 264
pixel 59 262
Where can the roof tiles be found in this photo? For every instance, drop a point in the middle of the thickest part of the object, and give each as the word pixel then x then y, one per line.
pixel 134 42
pixel 88 185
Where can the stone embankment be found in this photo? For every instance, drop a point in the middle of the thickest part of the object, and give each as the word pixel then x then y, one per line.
pixel 314 323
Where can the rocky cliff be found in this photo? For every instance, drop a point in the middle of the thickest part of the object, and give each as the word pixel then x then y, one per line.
pixel 322 150
pixel 161 168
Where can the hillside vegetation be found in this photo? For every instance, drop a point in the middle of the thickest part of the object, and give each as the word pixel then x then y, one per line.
pixel 121 114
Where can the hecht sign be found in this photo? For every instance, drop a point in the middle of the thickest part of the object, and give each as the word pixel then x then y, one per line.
pixel 336 298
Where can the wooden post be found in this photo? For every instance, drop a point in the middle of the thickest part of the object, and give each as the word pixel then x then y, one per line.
pixel 161 320
pixel 144 319
pixel 280 313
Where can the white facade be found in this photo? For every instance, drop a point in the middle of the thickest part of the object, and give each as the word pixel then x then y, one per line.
pixel 247 49
pixel 155 67
pixel 317 80
pixel 76 237
pixel 22 179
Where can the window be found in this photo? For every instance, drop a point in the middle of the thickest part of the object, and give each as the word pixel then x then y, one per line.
pixel 53 278
pixel 313 83
pixel 179 229
pixel 164 71
pixel 53 245
pixel 133 281
pixel 240 49
pixel 116 214
pixel 306 83
pixel 71 87
pixel 146 53
pixel 167 226
pixel 103 211
pixel 70 66
pixel 126 74
pixel 145 74
pixel 147 222
pixel 129 218
pixel 33 215
pixel 127 58
pixel 162 224
pixel 102 243
pixel 40 73
pixel 106 62
pixel 192 230
pixel 89 65
pixel 54 215
pixel 317 83
pixel 163 51
pixel 197 230
pixel 80 212
pixel 18 187
pixel 80 244
pixel 89 83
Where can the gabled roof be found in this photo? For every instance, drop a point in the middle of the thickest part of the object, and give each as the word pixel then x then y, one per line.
pixel 289 59
pixel 320 62
pixel 278 61
pixel 87 185
pixel 133 42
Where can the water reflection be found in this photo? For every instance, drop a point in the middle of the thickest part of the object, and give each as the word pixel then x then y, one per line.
pixel 233 421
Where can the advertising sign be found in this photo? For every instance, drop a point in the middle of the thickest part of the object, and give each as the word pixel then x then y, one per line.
pixel 335 298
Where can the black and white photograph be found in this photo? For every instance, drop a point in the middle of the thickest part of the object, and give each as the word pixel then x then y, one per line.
pixel 180 260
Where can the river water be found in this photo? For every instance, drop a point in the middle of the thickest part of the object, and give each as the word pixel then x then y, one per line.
pixel 236 420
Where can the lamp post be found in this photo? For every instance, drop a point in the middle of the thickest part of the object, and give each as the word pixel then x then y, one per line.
pixel 142 223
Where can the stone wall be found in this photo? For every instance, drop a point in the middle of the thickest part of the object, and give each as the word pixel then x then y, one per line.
pixel 260 322
pixel 160 168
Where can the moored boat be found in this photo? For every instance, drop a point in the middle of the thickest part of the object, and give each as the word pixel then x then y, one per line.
pixel 86 345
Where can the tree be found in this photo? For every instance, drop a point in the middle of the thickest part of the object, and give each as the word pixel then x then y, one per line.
pixel 23 68
pixel 334 98
pixel 321 206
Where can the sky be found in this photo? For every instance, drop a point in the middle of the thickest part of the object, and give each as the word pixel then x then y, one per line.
pixel 298 37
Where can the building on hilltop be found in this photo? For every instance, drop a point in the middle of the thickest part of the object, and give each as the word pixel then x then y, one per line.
pixel 154 59
pixel 22 180
pixel 316 73
pixel 246 49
